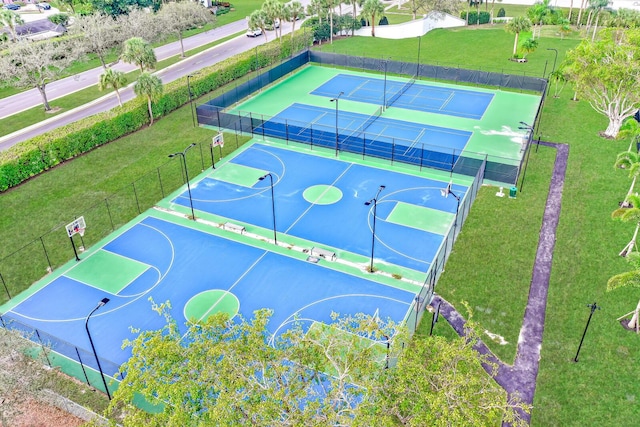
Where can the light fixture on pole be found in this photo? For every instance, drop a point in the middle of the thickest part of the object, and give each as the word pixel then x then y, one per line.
pixel 186 173
pixel 374 201
pixel 445 193
pixel 555 58
pixel 273 206
pixel 102 302
pixel 336 99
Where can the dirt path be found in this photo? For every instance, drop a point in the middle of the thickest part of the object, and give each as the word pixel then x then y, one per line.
pixel 520 378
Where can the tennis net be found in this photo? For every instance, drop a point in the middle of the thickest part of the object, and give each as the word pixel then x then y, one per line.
pixel 402 90
pixel 372 118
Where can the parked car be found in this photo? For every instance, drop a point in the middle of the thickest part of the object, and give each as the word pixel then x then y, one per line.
pixel 44 6
pixel 12 6
pixel 254 33
pixel 273 25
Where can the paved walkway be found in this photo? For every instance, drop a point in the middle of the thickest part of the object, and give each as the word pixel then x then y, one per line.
pixel 520 378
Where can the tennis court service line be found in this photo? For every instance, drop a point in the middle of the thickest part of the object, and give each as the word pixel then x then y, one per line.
pixel 313 204
pixel 447 101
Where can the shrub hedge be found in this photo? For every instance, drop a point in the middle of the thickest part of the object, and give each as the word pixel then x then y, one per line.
pixel 472 18
pixel 36 155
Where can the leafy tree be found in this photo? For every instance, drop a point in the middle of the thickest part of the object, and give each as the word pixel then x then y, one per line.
pixel 100 34
pixel 112 79
pixel 178 17
pixel 10 19
pixel 139 52
pixel 529 45
pixel 122 7
pixel 559 79
pixel 629 278
pixel 517 25
pixel 223 372
pixel 370 10
pixel 565 28
pixel 440 382
pixel 138 23
pixel 59 19
pixel 606 73
pixel 258 19
pixel 149 86
pixel 537 14
pixel 28 64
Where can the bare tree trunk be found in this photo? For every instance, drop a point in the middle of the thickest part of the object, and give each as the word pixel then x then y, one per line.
pixel 595 27
pixel 631 246
pixel 580 13
pixel 633 323
pixel 570 10
pixel 181 44
pixel 104 64
pixel 118 95
pixel 45 102
pixel 150 110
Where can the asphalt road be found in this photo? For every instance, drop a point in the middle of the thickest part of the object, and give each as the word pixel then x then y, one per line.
pixel 89 78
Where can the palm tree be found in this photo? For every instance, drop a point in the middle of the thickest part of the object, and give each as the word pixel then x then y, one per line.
pixel 537 13
pixel 355 4
pixel 114 79
pixel 529 46
pixel 139 52
pixel 597 6
pixel 149 86
pixel 258 19
pixel 559 78
pixel 296 10
pixel 630 161
pixel 371 9
pixel 629 212
pixel 331 4
pixel 630 129
pixel 565 28
pixel 630 278
pixel 516 26
pixel 272 10
pixel 11 20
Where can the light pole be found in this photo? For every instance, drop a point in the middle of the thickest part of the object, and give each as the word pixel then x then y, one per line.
pixel 184 161
pixel 384 89
pixel 193 118
pixel 445 193
pixel 593 308
pixel 102 302
pixel 555 58
pixel 336 99
pixel 273 206
pixel 374 201
pixel 418 67
pixel 524 172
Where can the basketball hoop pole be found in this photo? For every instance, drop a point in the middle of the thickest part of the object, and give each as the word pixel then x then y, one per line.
pixel 73 245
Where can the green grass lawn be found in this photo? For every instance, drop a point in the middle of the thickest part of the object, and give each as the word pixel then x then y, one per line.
pixel 491 264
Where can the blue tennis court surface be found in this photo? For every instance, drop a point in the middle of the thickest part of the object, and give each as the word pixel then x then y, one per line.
pixel 322 200
pixel 417 96
pixel 181 263
pixel 409 142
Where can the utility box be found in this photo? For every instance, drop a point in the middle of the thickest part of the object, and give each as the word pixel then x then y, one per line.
pixel 512 192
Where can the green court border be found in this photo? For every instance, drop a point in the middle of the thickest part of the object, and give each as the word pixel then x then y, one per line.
pixel 421 218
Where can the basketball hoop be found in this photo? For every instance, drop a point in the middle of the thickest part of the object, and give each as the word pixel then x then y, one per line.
pixel 81 231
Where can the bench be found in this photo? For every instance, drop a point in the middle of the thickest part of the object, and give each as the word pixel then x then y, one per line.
pixel 229 226
pixel 323 253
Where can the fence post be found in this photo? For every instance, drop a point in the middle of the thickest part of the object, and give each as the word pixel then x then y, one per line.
pixel 106 203
pixel 135 194
pixel 6 290
pixel 45 254
pixel 82 366
pixel 160 182
pixel 44 351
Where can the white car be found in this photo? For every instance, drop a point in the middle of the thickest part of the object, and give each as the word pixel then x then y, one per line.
pixel 254 33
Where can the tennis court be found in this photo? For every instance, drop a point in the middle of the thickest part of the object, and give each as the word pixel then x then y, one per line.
pixel 409 94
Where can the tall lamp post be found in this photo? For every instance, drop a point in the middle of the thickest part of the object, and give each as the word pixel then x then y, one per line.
pixel 555 58
pixel 336 99
pixel 273 206
pixel 374 201
pixel 593 308
pixel 102 302
pixel 193 118
pixel 384 89
pixel 186 173
pixel 445 193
